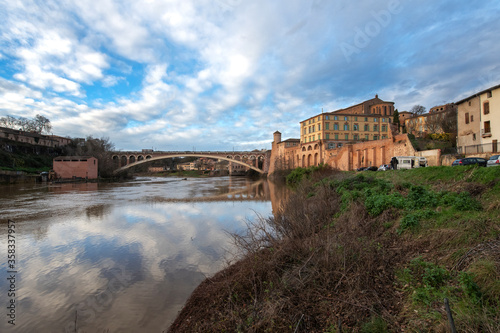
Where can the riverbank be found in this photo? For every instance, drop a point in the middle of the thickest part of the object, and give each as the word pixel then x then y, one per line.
pixel 372 252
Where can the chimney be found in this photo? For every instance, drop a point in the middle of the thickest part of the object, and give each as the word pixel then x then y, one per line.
pixel 277 137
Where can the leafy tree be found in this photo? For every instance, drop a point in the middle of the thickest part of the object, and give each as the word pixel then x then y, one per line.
pixel 418 110
pixel 395 119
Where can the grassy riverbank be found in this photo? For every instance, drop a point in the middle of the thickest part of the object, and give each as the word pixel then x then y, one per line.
pixel 375 251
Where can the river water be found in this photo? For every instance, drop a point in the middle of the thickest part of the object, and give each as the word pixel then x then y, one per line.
pixel 121 257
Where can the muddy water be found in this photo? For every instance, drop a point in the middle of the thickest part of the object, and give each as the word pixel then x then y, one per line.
pixel 116 257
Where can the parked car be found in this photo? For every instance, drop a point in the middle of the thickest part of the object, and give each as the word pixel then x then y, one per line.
pixel 371 168
pixel 493 161
pixel 470 161
pixel 384 167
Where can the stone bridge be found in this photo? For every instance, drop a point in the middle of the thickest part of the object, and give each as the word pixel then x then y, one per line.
pixel 255 160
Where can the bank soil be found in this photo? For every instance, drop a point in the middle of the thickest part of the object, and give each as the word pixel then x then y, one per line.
pixel 329 259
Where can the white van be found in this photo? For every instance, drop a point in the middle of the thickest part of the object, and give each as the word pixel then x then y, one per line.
pixel 410 162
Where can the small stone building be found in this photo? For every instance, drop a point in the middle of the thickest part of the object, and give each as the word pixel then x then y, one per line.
pixel 68 167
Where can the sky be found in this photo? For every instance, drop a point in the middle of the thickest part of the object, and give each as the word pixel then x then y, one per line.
pixel 223 75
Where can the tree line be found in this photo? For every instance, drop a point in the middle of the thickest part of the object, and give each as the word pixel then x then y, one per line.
pixel 39 124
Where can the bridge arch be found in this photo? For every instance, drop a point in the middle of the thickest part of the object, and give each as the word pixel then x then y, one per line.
pixel 162 157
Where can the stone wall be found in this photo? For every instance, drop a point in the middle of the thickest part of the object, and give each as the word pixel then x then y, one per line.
pixel 433 156
pixel 349 157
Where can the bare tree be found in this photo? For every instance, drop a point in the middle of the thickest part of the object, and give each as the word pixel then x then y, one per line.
pixel 449 122
pixel 9 122
pixel 418 110
pixel 411 125
pixel 42 124
pixel 37 125
pixel 433 123
pixel 98 148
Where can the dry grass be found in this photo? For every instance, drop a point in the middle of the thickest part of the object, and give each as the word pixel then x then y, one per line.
pixel 309 266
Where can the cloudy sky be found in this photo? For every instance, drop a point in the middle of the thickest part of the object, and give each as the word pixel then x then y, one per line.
pixel 226 74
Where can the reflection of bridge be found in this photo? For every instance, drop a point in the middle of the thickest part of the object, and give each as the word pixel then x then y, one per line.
pixel 255 160
pixel 257 191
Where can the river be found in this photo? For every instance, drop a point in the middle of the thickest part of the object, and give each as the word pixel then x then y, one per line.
pixel 119 257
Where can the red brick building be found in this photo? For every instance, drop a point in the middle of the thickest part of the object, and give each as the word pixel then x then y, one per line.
pixel 67 167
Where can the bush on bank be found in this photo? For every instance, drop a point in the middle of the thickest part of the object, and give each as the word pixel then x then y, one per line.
pixel 378 252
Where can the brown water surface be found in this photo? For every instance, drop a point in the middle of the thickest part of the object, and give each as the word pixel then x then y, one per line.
pixel 120 257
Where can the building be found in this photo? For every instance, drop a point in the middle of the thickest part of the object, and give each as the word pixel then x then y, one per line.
pixel 70 167
pixel 479 122
pixel 156 169
pixel 33 138
pixel 361 135
pixel 432 122
pixel 366 121
pixel 403 115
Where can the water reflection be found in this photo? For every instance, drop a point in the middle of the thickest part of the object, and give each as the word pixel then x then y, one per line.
pixel 120 257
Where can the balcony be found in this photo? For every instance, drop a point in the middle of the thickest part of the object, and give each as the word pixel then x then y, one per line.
pixel 486 132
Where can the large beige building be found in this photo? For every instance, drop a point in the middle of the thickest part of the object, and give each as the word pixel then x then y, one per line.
pixel 366 121
pixel 479 122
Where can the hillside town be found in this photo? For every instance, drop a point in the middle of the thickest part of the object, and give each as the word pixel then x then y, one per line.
pixel 372 132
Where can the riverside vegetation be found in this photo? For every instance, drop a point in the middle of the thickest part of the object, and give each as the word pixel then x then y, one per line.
pixel 364 252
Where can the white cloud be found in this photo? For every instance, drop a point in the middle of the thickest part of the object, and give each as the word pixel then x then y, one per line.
pixel 233 64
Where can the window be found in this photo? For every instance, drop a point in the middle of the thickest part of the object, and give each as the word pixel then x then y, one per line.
pixel 486 108
pixel 383 120
pixel 336 126
pixel 385 110
pixel 319 127
pixel 339 145
pixel 355 127
pixel 467 117
pixel 327 117
pixel 366 137
pixel 375 137
pixel 314 130
pixel 327 126
pixel 367 128
pixel 328 136
pixel 474 136
pixel 487 128
pixel 375 120
pixel 384 128
pixel 336 136
pixel 389 120
pixel 488 94
pixel 366 118
pixel 471 118
pixel 346 118
pixel 319 118
pixel 346 127
pixel 335 118
pixel 375 128
pixel 355 118
pixel 305 130
pixel 355 137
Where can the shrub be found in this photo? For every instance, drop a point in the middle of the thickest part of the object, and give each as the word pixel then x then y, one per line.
pixel 464 202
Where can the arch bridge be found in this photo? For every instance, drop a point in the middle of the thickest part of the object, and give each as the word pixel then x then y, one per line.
pixel 250 159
